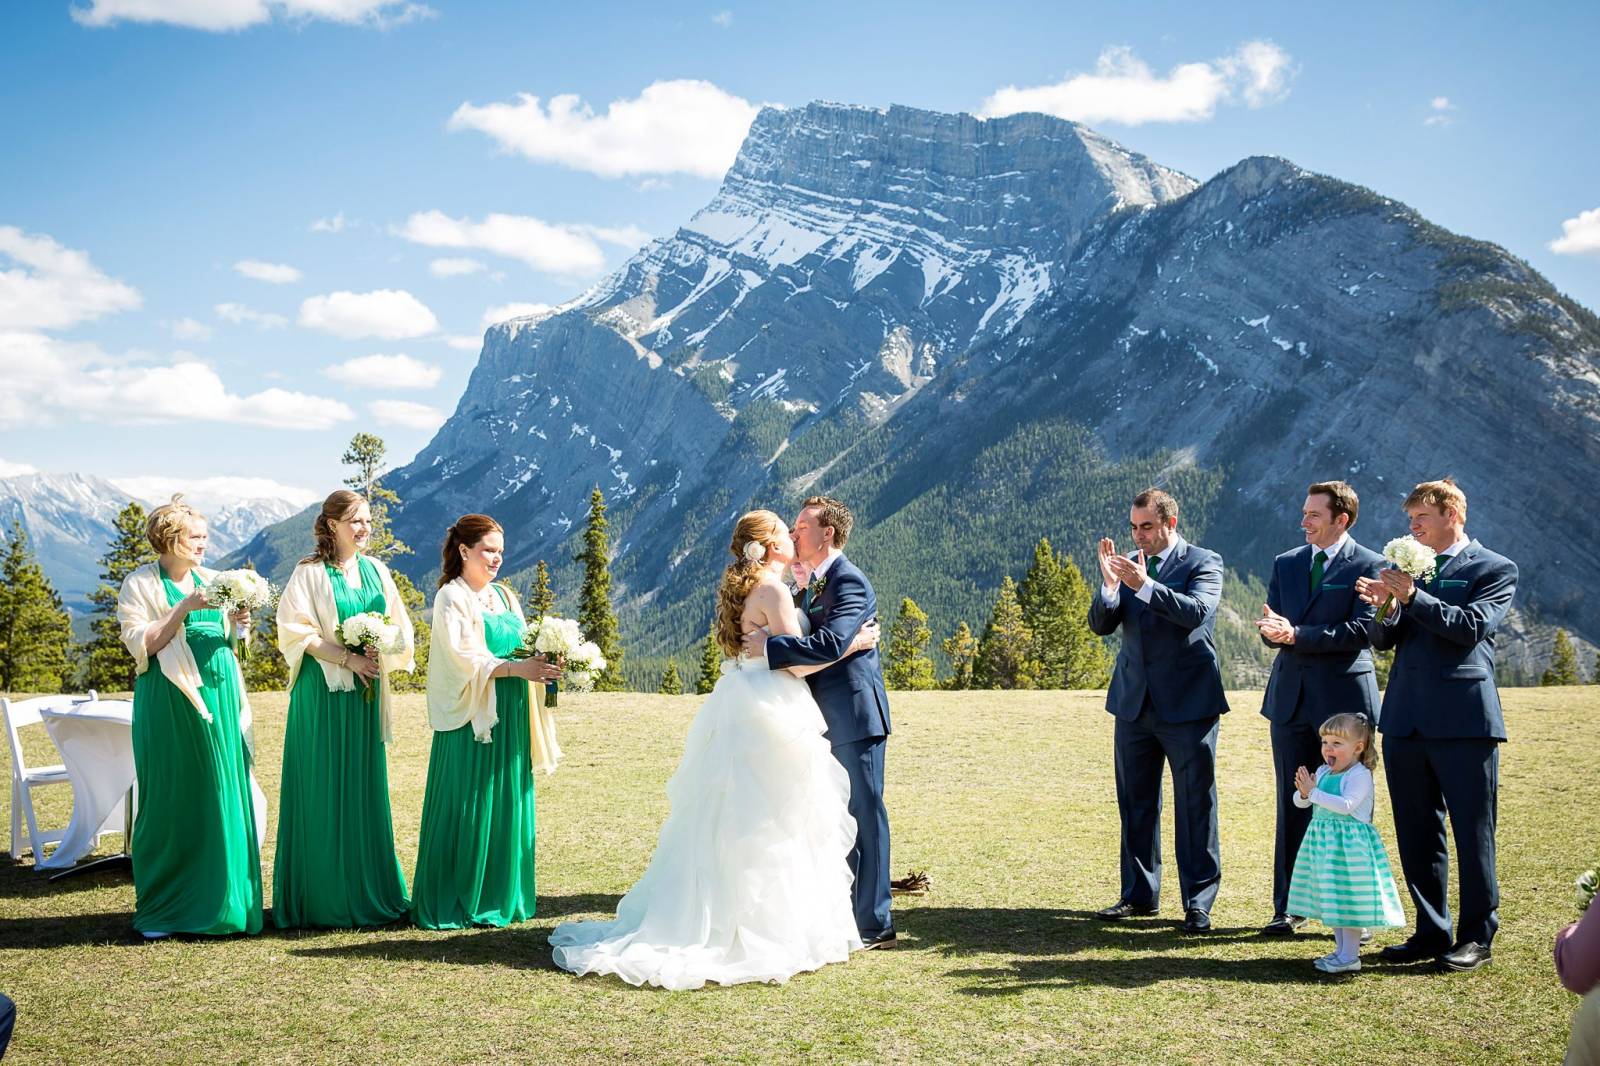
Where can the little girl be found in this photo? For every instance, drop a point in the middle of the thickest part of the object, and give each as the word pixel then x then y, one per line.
pixel 1341 876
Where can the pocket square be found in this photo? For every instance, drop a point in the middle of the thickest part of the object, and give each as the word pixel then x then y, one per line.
pixel 1452 583
pixel 1333 588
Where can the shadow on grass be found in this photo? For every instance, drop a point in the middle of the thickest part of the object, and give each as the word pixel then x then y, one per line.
pixel 112 928
pixel 1050 943
pixel 21 880
pixel 523 946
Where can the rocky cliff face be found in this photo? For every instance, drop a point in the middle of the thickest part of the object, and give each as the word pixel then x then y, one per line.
pixel 979 332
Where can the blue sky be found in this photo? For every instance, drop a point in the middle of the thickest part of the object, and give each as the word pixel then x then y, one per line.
pixel 214 213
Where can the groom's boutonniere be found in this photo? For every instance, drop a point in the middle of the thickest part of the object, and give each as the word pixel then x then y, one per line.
pixel 818 583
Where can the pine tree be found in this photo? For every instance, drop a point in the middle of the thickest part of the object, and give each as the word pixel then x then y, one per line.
pixel 595 616
pixel 1003 660
pixel 710 662
pixel 107 665
pixel 541 600
pixel 1042 597
pixel 35 633
pixel 906 665
pixel 265 669
pixel 671 683
pixel 961 650
pixel 1563 669
pixel 416 606
pixel 365 453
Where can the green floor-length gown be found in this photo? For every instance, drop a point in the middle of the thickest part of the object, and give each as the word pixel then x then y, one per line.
pixel 475 853
pixel 196 860
pixel 335 865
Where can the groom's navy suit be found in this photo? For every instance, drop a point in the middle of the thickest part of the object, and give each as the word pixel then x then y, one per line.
pixel 1167 697
pixel 1442 731
pixel 855 706
pixel 1326 671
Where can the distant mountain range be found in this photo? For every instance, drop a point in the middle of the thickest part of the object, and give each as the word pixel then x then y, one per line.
pixel 69 519
pixel 981 331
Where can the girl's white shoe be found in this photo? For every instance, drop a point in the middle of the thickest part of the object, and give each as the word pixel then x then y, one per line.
pixel 1333 964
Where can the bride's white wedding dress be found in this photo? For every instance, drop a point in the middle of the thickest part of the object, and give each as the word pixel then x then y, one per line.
pixel 749 881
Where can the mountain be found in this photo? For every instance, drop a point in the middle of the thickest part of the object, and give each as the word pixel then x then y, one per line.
pixel 981 331
pixel 69 519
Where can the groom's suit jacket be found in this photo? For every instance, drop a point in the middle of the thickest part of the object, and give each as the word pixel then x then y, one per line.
pixel 851 693
pixel 1442 682
pixel 1328 668
pixel 1168 656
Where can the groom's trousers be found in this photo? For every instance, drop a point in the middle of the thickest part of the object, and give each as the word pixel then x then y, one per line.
pixel 1142 747
pixel 869 859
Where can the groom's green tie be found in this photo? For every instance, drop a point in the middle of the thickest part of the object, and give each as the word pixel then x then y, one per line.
pixel 1316 571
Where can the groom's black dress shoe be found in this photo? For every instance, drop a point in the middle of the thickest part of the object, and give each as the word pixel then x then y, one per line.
pixel 1283 925
pixel 1464 958
pixel 1118 911
pixel 1411 950
pixel 1196 920
pixel 882 941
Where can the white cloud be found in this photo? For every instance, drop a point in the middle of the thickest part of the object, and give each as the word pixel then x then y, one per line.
pixel 1440 109
pixel 189 329
pixel 407 414
pixel 506 311
pixel 723 19
pixel 386 372
pixel 271 273
pixel 687 126
pixel 49 379
pixel 240 315
pixel 221 16
pixel 336 224
pixel 1123 89
pixel 47 286
pixel 464 343
pixel 1579 236
pixel 16 469
pixel 455 267
pixel 214 493
pixel 571 250
pixel 390 314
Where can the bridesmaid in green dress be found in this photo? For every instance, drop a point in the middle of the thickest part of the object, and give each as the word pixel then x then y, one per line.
pixel 475 854
pixel 335 865
pixel 196 853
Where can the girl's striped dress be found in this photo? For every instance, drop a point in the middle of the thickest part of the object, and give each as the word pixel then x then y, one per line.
pixel 1341 876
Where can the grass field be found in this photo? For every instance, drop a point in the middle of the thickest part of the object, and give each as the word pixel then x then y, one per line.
pixel 1006 798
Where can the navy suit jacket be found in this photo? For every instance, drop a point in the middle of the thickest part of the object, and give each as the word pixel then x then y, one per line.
pixel 851 693
pixel 1328 668
pixel 1168 650
pixel 1442 682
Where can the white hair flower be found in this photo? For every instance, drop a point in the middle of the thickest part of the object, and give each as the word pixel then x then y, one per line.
pixel 755 551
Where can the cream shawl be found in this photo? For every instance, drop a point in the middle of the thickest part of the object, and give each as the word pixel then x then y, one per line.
pixel 460 675
pixel 307 611
pixel 142 606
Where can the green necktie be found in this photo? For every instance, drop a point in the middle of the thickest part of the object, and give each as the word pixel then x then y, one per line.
pixel 1151 565
pixel 1316 571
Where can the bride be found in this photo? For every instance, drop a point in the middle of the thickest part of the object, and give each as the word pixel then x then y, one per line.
pixel 749 881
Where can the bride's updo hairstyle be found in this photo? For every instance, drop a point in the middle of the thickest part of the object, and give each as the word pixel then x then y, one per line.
pixel 753 537
pixel 468 530
pixel 340 506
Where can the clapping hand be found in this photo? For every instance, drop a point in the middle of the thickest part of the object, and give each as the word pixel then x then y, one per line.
pixel 1131 572
pixel 1376 590
pixel 1274 626
pixel 1107 551
pixel 1304 782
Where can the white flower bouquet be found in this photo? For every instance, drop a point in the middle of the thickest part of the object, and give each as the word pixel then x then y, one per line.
pixel 371 634
pixel 1410 555
pixel 1587 882
pixel 238 590
pixel 561 642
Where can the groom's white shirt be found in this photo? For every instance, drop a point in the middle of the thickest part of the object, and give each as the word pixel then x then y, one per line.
pixel 827 563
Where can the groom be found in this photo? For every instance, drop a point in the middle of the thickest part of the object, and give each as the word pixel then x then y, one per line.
pixel 838 600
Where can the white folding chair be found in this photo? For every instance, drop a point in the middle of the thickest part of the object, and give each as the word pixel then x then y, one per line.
pixel 24 779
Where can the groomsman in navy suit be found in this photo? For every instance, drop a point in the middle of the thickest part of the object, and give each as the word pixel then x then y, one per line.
pixel 1442 727
pixel 1323 666
pixel 1166 695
